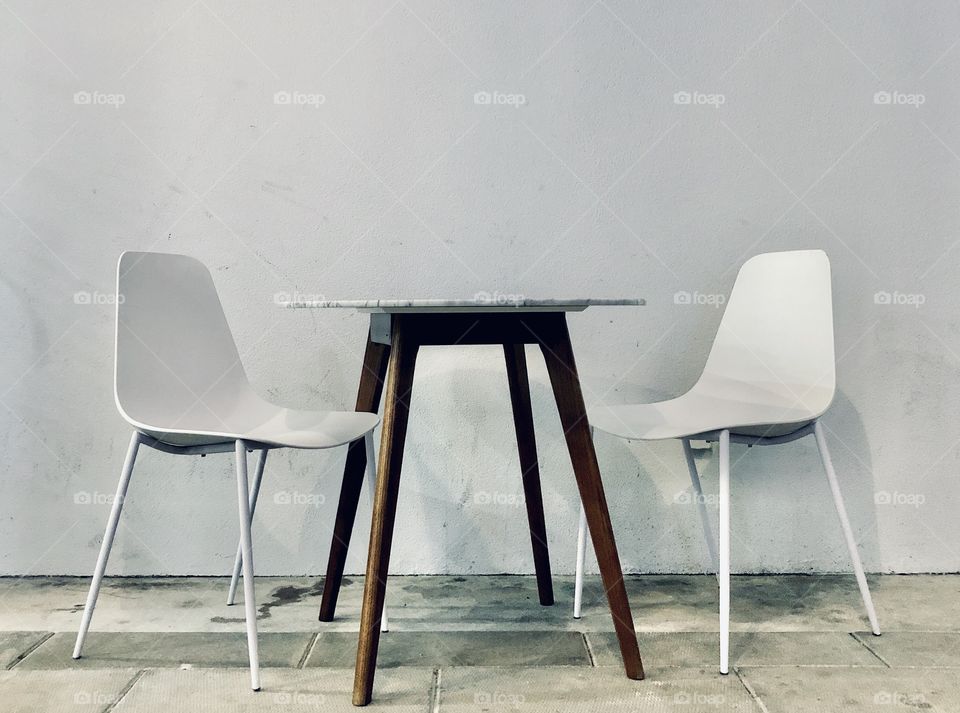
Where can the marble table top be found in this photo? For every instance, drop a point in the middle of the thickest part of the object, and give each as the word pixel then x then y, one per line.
pixel 480 303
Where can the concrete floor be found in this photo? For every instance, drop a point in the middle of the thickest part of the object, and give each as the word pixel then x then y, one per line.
pixel 484 643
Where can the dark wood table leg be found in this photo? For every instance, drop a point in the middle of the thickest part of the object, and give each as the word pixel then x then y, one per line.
pixel 396 411
pixel 372 378
pixel 516 360
pixel 554 340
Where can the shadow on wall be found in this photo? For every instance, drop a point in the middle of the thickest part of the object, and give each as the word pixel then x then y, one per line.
pixel 461 484
pixel 788 524
pixel 462 501
pixel 461 507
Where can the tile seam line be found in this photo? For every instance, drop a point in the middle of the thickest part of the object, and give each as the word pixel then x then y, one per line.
pixel 586 643
pixel 750 691
pixel 30 649
pixel 433 698
pixel 865 645
pixel 311 645
pixel 125 690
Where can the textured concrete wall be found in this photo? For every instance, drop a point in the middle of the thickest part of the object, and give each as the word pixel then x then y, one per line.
pixel 432 149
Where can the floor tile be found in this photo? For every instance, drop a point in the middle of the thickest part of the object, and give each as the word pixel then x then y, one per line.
pixel 61 691
pixel 929 649
pixel 756 648
pixel 658 650
pixel 14 644
pixel 559 690
pixel 144 650
pixel 799 648
pixel 457 648
pixel 916 602
pixel 851 690
pixel 284 691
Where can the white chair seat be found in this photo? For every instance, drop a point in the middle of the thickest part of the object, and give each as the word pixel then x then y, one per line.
pixel 714 404
pixel 271 425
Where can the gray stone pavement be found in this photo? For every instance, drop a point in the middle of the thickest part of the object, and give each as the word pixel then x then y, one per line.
pixel 799 643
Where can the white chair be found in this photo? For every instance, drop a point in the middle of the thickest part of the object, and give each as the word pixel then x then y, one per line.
pixel 180 384
pixel 769 377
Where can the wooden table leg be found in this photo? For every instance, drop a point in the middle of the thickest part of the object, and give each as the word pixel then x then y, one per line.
pixel 516 360
pixel 396 411
pixel 372 378
pixel 554 340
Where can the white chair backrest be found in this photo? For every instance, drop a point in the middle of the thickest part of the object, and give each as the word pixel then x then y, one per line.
pixel 776 334
pixel 173 344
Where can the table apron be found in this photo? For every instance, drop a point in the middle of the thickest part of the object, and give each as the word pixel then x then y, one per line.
pixel 466 328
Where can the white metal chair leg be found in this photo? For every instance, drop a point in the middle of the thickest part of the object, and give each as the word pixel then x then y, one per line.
pixel 246 542
pixel 371 490
pixel 847 530
pixel 701 503
pixel 724 551
pixel 107 543
pixel 581 557
pixel 254 494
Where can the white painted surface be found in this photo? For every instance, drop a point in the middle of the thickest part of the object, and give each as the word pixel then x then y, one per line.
pixel 398 184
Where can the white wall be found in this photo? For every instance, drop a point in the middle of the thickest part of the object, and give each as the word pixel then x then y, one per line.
pixel 399 184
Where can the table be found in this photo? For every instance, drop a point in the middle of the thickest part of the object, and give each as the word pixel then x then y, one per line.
pixel 398 328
